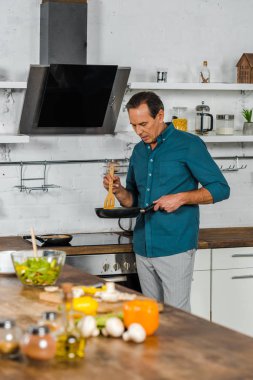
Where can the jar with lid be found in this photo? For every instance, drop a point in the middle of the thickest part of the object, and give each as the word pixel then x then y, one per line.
pixel 224 124
pixel 53 321
pixel 38 344
pixel 179 120
pixel 10 336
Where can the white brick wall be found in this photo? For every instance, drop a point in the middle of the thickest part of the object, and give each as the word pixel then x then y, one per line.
pixel 179 36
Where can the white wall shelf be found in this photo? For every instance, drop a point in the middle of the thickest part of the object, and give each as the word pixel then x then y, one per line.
pixel 13 139
pixel 236 137
pixel 191 86
pixel 11 85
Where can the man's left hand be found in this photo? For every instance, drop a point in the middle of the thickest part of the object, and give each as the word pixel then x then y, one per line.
pixel 169 203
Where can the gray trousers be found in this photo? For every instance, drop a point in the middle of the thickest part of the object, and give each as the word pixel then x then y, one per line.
pixel 167 279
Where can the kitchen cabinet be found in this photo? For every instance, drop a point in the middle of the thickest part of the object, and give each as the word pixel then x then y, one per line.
pixel 232 288
pixel 201 284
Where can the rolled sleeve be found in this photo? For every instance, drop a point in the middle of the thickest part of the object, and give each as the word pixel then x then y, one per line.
pixel 206 171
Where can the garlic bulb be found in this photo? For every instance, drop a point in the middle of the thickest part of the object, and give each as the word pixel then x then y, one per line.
pixel 136 333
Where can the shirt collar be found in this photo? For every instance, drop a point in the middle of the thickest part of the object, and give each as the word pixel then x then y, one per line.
pixel 166 133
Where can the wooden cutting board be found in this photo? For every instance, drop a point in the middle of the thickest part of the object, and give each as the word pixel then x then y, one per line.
pixel 103 307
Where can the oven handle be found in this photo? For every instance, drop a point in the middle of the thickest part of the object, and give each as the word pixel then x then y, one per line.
pixel 116 279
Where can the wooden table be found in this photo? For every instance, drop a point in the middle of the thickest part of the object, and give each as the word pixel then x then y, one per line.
pixel 184 347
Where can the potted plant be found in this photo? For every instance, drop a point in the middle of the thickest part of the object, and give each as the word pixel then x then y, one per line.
pixel 248 124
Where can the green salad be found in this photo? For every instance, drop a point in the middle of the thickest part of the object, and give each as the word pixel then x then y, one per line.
pixel 38 271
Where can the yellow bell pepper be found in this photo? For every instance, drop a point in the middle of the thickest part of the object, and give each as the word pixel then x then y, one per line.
pixel 92 290
pixel 86 305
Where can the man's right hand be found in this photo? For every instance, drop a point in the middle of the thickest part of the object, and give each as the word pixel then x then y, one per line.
pixel 116 187
pixel 124 196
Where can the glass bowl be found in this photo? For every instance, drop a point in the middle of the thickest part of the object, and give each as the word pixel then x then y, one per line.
pixel 40 271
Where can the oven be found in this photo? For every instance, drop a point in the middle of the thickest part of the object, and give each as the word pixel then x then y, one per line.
pixel 116 267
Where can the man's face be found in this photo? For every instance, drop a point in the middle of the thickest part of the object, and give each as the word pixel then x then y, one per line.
pixel 147 127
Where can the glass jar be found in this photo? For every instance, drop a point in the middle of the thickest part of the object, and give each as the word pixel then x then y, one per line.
pixel 38 343
pixel 53 321
pixel 10 336
pixel 145 312
pixel 179 120
pixel 224 124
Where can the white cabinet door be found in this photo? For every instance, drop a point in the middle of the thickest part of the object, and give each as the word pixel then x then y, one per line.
pixel 232 299
pixel 200 291
pixel 200 294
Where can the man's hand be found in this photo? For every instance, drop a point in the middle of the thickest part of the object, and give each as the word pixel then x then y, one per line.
pixel 169 203
pixel 172 202
pixel 124 197
pixel 116 187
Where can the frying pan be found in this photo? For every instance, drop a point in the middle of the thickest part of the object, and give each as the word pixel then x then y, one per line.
pixel 123 212
pixel 49 240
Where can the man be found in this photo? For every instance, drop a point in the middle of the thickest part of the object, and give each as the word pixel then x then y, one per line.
pixel 166 168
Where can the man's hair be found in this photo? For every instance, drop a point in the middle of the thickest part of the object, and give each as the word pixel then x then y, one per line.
pixel 152 100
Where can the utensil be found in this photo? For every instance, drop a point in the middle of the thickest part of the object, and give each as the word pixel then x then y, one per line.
pixel 109 202
pixel 123 212
pixel 54 239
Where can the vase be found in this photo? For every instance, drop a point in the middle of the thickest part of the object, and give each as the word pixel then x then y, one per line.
pixel 248 128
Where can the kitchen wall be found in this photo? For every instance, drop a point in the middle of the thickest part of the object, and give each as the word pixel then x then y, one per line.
pixel 177 35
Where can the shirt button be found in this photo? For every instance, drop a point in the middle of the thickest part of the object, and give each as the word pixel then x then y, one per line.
pixel 151 160
pixel 148 189
pixel 163 139
pixel 146 204
pixel 150 174
pixel 148 147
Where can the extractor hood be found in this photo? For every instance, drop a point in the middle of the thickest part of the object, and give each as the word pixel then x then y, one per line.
pixel 73 99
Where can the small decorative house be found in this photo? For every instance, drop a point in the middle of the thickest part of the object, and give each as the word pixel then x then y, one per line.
pixel 245 68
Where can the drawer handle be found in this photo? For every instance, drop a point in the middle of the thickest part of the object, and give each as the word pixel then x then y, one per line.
pixel 241 277
pixel 242 255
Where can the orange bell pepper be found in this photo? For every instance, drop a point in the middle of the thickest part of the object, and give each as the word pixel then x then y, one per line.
pixel 145 312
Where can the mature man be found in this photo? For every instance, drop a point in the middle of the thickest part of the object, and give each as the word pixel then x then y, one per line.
pixel 166 168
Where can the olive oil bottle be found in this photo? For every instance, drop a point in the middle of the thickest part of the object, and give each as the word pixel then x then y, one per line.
pixel 70 345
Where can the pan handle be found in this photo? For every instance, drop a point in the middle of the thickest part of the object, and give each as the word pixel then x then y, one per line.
pixel 147 209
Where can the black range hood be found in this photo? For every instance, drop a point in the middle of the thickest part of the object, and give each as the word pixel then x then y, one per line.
pixel 73 99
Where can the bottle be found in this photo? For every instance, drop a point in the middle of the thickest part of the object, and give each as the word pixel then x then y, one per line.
pixel 70 344
pixel 204 73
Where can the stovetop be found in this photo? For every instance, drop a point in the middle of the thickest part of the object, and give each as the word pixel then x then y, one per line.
pixel 89 239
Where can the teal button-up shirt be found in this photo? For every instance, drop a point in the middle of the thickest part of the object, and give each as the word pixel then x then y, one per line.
pixel 179 162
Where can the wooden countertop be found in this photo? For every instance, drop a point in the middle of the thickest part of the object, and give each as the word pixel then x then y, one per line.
pixel 208 238
pixel 184 346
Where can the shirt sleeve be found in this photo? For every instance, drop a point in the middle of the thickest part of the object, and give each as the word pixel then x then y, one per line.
pixel 131 184
pixel 206 171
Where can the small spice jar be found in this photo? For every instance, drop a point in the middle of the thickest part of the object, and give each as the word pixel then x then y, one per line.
pixel 9 339
pixel 224 124
pixel 144 312
pixel 53 321
pixel 38 343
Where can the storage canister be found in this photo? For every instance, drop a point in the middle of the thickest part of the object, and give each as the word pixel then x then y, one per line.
pixel 224 124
